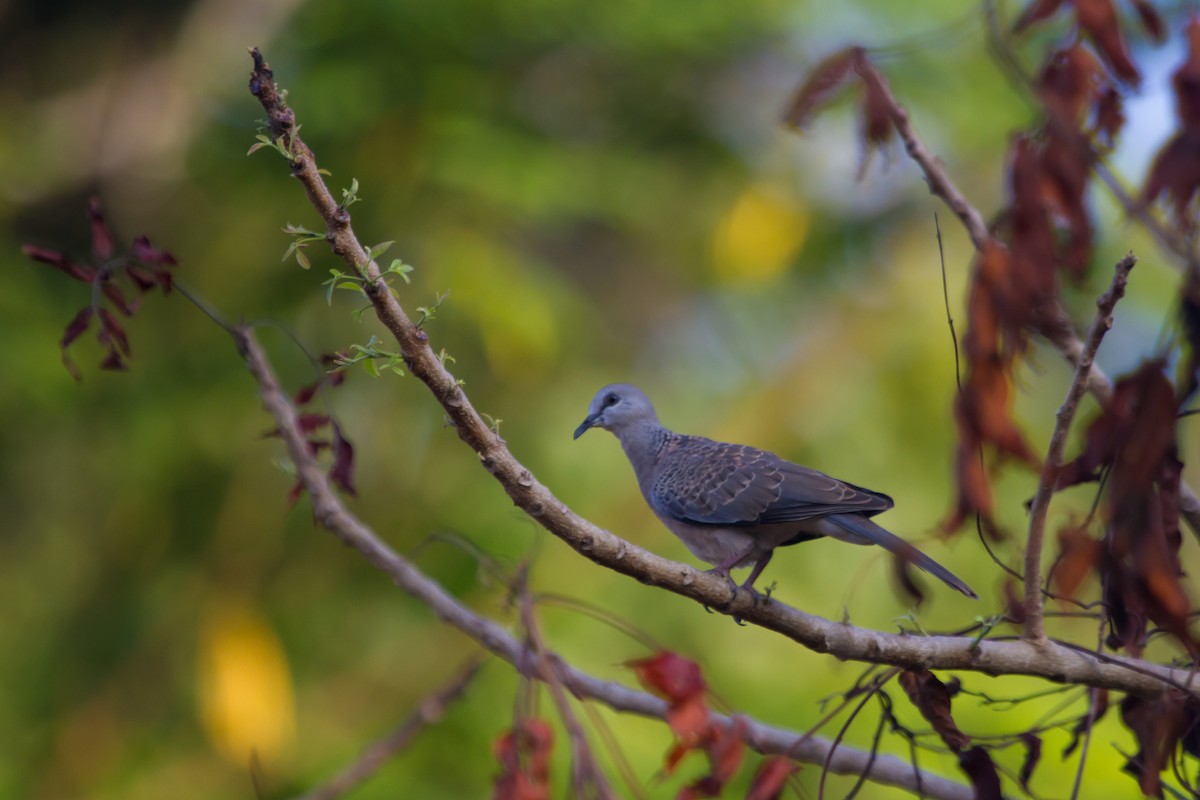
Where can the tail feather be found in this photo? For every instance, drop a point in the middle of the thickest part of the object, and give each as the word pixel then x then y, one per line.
pixel 864 528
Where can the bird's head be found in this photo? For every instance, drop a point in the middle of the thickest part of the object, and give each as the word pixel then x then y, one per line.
pixel 617 407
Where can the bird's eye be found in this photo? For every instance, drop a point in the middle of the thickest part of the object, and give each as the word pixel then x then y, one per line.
pixel 611 400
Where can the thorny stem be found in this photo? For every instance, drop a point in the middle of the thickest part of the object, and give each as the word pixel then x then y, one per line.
pixel 1034 622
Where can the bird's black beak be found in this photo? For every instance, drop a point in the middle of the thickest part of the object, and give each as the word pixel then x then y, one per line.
pixel 587 423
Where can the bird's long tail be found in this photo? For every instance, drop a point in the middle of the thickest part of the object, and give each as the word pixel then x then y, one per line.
pixel 864 529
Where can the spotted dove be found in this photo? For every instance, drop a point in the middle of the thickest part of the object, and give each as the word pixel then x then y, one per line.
pixel 732 504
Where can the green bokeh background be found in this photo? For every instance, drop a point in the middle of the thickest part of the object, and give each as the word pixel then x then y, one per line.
pixel 605 192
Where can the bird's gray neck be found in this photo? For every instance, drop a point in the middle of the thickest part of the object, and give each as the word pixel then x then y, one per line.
pixel 644 443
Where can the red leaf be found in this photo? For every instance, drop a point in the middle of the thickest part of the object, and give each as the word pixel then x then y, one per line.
pixel 982 771
pixel 531 741
pixel 1078 555
pixel 877 116
pixel 80 272
pixel 309 423
pixel 1110 116
pixel 771 778
pixel 1186 80
pixel 342 471
pixel 76 327
pixel 141 277
pixel 1176 172
pixel 147 253
pixel 932 699
pixel 1086 721
pixel 114 295
pixel 1151 21
pixel 102 238
pixel 1033 754
pixel 670 676
pixel 1157 725
pixel 1014 603
pixel 824 82
pixel 678 681
pixel 306 393
pixel 1099 19
pixel 113 361
pixel 1036 11
pixel 112 331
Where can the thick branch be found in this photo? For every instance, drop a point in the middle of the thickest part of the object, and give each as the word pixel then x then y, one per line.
pixel 333 515
pixel 1053 661
pixel 1034 627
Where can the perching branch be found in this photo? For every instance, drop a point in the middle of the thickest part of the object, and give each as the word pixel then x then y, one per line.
pixel 1034 627
pixel 1055 661
pixel 332 514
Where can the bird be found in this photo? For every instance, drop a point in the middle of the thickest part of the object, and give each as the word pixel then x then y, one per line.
pixel 732 504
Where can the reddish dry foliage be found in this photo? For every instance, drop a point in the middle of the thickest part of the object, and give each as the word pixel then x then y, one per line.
pixel 932 699
pixel 524 756
pixel 1086 721
pixel 1189 313
pixel 1134 440
pixel 1078 555
pixel 771 778
pixel 823 84
pixel 1161 725
pixel 829 78
pixel 341 471
pixel 998 309
pixel 144 267
pixel 1033 754
pixel 1176 169
pixel 1014 602
pixel 982 771
pixel 680 682
pixel 1098 19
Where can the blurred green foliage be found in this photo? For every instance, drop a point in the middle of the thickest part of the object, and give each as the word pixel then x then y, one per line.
pixel 605 193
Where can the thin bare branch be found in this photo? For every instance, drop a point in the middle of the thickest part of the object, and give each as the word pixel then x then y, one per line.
pixel 1034 622
pixel 586 778
pixel 428 712
pixel 935 172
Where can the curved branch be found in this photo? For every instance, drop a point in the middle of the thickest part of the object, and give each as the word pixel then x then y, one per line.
pixel 332 514
pixel 1050 660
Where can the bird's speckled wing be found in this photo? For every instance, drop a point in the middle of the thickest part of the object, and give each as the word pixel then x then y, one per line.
pixel 714 483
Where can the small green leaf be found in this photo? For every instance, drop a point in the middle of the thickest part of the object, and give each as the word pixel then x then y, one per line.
pixel 370 366
pixel 378 250
pixel 302 259
pixel 398 267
